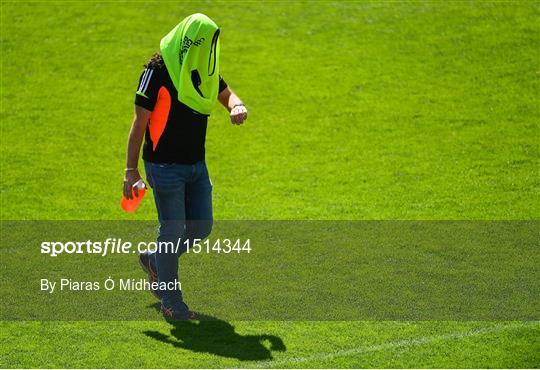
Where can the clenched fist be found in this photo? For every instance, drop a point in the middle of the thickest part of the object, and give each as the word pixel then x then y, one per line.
pixel 238 114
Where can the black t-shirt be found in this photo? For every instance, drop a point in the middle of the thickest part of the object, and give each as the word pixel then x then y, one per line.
pixel 175 133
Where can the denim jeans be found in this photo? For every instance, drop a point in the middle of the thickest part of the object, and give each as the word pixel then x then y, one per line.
pixel 183 197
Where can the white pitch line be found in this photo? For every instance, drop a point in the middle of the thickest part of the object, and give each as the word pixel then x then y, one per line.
pixel 394 344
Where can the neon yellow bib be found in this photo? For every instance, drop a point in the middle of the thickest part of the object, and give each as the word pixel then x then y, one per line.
pixel 191 54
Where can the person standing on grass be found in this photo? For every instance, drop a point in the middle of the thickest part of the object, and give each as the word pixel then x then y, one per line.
pixel 174 98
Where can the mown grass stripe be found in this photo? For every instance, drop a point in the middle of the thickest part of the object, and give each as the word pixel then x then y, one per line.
pixel 394 344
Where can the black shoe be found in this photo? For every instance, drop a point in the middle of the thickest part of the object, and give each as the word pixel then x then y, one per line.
pixel 146 265
pixel 177 312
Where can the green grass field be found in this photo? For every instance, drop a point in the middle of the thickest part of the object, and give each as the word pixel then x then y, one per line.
pixel 357 111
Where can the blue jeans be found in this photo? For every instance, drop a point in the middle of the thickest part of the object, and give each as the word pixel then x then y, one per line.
pixel 183 197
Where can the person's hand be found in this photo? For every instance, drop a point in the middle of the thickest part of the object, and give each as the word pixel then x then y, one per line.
pixel 130 178
pixel 238 114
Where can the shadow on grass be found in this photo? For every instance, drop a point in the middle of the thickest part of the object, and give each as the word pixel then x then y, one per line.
pixel 211 335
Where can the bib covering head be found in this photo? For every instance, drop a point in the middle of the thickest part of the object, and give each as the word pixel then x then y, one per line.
pixel 191 54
